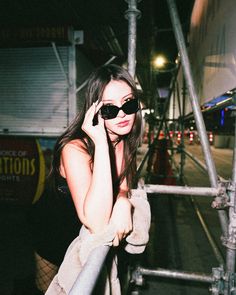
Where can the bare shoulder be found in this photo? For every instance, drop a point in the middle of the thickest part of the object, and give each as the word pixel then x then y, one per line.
pixel 75 151
pixel 74 155
pixel 75 145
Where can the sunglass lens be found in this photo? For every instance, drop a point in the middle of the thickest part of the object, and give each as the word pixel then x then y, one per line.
pixel 109 112
pixel 131 106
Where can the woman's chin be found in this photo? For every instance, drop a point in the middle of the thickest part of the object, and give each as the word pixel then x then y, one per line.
pixel 122 131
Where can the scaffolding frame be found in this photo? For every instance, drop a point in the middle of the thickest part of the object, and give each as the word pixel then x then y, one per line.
pixel 222 279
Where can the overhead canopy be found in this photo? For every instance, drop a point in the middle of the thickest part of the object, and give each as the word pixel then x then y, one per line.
pixel 105 27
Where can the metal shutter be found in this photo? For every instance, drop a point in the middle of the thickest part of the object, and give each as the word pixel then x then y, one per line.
pixel 34 95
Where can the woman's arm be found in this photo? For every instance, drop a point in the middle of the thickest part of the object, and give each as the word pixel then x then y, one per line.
pixel 122 218
pixel 122 214
pixel 91 190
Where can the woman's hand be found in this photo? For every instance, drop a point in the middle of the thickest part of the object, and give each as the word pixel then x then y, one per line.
pixel 122 219
pixel 96 132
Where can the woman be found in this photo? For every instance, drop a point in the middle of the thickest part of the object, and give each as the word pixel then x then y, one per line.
pixel 96 155
pixel 98 159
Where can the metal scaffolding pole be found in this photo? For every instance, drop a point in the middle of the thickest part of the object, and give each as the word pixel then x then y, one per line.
pixel 181 275
pixel 210 239
pixel 182 144
pixel 200 164
pixel 231 241
pixel 195 106
pixel 132 13
pixel 208 234
pixel 182 190
pixel 88 276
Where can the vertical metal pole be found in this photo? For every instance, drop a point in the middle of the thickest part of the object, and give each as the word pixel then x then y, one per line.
pixel 182 145
pixel 178 98
pixel 195 105
pixel 193 95
pixel 231 241
pixel 174 100
pixel 131 14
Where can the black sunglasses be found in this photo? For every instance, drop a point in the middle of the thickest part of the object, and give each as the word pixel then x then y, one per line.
pixel 110 111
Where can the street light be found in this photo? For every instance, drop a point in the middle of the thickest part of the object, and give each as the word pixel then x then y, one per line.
pixel 160 61
pixel 162 65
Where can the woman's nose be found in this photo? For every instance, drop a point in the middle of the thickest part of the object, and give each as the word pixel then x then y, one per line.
pixel 121 114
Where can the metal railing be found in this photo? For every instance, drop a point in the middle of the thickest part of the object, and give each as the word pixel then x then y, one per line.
pixel 88 276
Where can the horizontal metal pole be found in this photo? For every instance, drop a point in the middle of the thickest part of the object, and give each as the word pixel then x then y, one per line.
pixel 87 278
pixel 182 190
pixel 181 275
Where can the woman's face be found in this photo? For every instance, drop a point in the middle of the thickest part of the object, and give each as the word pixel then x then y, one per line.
pixel 117 93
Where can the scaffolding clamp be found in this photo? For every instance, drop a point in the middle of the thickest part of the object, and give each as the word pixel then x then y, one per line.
pixel 217 287
pixel 231 189
pixel 223 282
pixel 232 280
pixel 137 277
pixel 132 10
pixel 230 240
pixel 221 201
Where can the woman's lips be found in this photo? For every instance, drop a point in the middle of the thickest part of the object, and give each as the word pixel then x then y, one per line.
pixel 123 124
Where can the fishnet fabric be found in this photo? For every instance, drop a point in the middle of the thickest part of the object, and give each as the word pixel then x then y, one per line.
pixel 45 272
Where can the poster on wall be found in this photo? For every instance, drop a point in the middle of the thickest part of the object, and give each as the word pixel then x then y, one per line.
pixel 24 164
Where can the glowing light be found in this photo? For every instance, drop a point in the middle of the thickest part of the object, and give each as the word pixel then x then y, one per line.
pixel 160 61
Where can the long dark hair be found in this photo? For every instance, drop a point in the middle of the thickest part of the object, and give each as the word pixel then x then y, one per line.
pixel 95 88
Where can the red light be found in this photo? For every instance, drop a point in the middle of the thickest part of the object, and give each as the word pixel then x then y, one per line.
pixel 191 137
pixel 211 137
pixel 179 137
